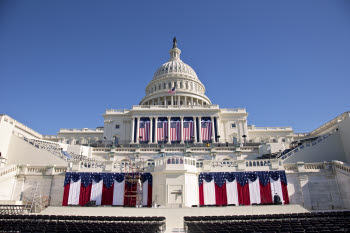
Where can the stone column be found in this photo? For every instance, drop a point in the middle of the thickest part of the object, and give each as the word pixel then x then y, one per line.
pixel 218 128
pixel 155 130
pixel 185 100
pixel 172 100
pixel 199 128
pixel 158 103
pixel 165 101
pixel 151 129
pixel 212 129
pixel 137 129
pixel 191 100
pixel 178 100
pixel 169 130
pixel 132 129
pixel 182 130
pixel 195 128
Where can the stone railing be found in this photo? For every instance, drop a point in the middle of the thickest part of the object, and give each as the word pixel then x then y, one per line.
pixel 25 170
pixel 84 130
pixel 317 167
pixel 139 107
pixel 307 167
pixel 251 127
pixel 8 171
pixel 342 167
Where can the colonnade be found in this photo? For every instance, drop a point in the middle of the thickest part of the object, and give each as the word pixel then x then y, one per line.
pixel 175 100
pixel 215 129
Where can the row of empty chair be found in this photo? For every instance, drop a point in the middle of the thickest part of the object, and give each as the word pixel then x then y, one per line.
pixel 56 149
pixel 12 209
pixel 304 222
pixel 63 223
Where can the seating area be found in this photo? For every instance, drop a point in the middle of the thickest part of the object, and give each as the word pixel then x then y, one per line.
pixel 63 223
pixel 298 222
pixel 12 209
pixel 56 149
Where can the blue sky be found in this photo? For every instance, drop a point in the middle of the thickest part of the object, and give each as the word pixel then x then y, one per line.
pixel 62 63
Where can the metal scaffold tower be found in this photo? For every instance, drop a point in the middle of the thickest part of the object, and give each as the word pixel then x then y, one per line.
pixel 34 203
pixel 133 192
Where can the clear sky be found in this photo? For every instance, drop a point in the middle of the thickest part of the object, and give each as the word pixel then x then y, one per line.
pixel 62 63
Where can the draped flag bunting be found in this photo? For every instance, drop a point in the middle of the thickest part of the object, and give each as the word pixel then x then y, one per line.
pixel 104 188
pixel 144 131
pixel 206 131
pixel 175 130
pixel 162 130
pixel 242 188
pixel 188 130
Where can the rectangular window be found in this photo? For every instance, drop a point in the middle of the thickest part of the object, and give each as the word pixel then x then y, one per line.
pixel 117 126
pixel 233 125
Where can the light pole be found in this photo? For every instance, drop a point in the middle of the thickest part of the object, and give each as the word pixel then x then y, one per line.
pixel 244 138
pixel 114 137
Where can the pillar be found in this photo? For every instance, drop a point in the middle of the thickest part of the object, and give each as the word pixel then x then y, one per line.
pixel 155 130
pixel 151 129
pixel 213 129
pixel 137 129
pixel 165 101
pixel 191 100
pixel 169 130
pixel 178 100
pixel 200 128
pixel 218 128
pixel 195 128
pixel 172 100
pixel 185 100
pixel 182 130
pixel 132 129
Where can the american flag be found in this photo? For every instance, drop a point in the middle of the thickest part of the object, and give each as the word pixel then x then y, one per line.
pixel 188 130
pixel 171 91
pixel 144 131
pixel 206 130
pixel 175 129
pixel 162 130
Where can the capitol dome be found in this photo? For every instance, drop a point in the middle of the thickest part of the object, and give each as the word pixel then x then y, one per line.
pixel 177 75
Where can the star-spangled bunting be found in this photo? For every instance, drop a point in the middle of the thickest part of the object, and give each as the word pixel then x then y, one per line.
pixel 108 178
pixel 242 177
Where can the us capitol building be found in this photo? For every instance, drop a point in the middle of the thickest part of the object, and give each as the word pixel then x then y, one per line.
pixel 176 133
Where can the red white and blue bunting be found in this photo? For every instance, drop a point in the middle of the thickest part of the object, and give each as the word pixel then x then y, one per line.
pixel 104 188
pixel 242 188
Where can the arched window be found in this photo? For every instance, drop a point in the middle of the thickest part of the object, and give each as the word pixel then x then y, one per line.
pixel 177 161
pixel 164 85
pixel 186 85
pixel 181 161
pixel 172 161
pixel 169 161
pixel 169 85
pixel 160 86
pixel 181 86
pixel 155 88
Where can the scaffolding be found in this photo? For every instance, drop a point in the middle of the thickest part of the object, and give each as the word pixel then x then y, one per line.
pixel 133 193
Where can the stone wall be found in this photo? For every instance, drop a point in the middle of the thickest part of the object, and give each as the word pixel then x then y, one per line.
pixel 318 186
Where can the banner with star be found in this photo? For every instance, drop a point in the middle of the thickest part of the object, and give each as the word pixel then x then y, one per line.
pixel 242 188
pixel 104 188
